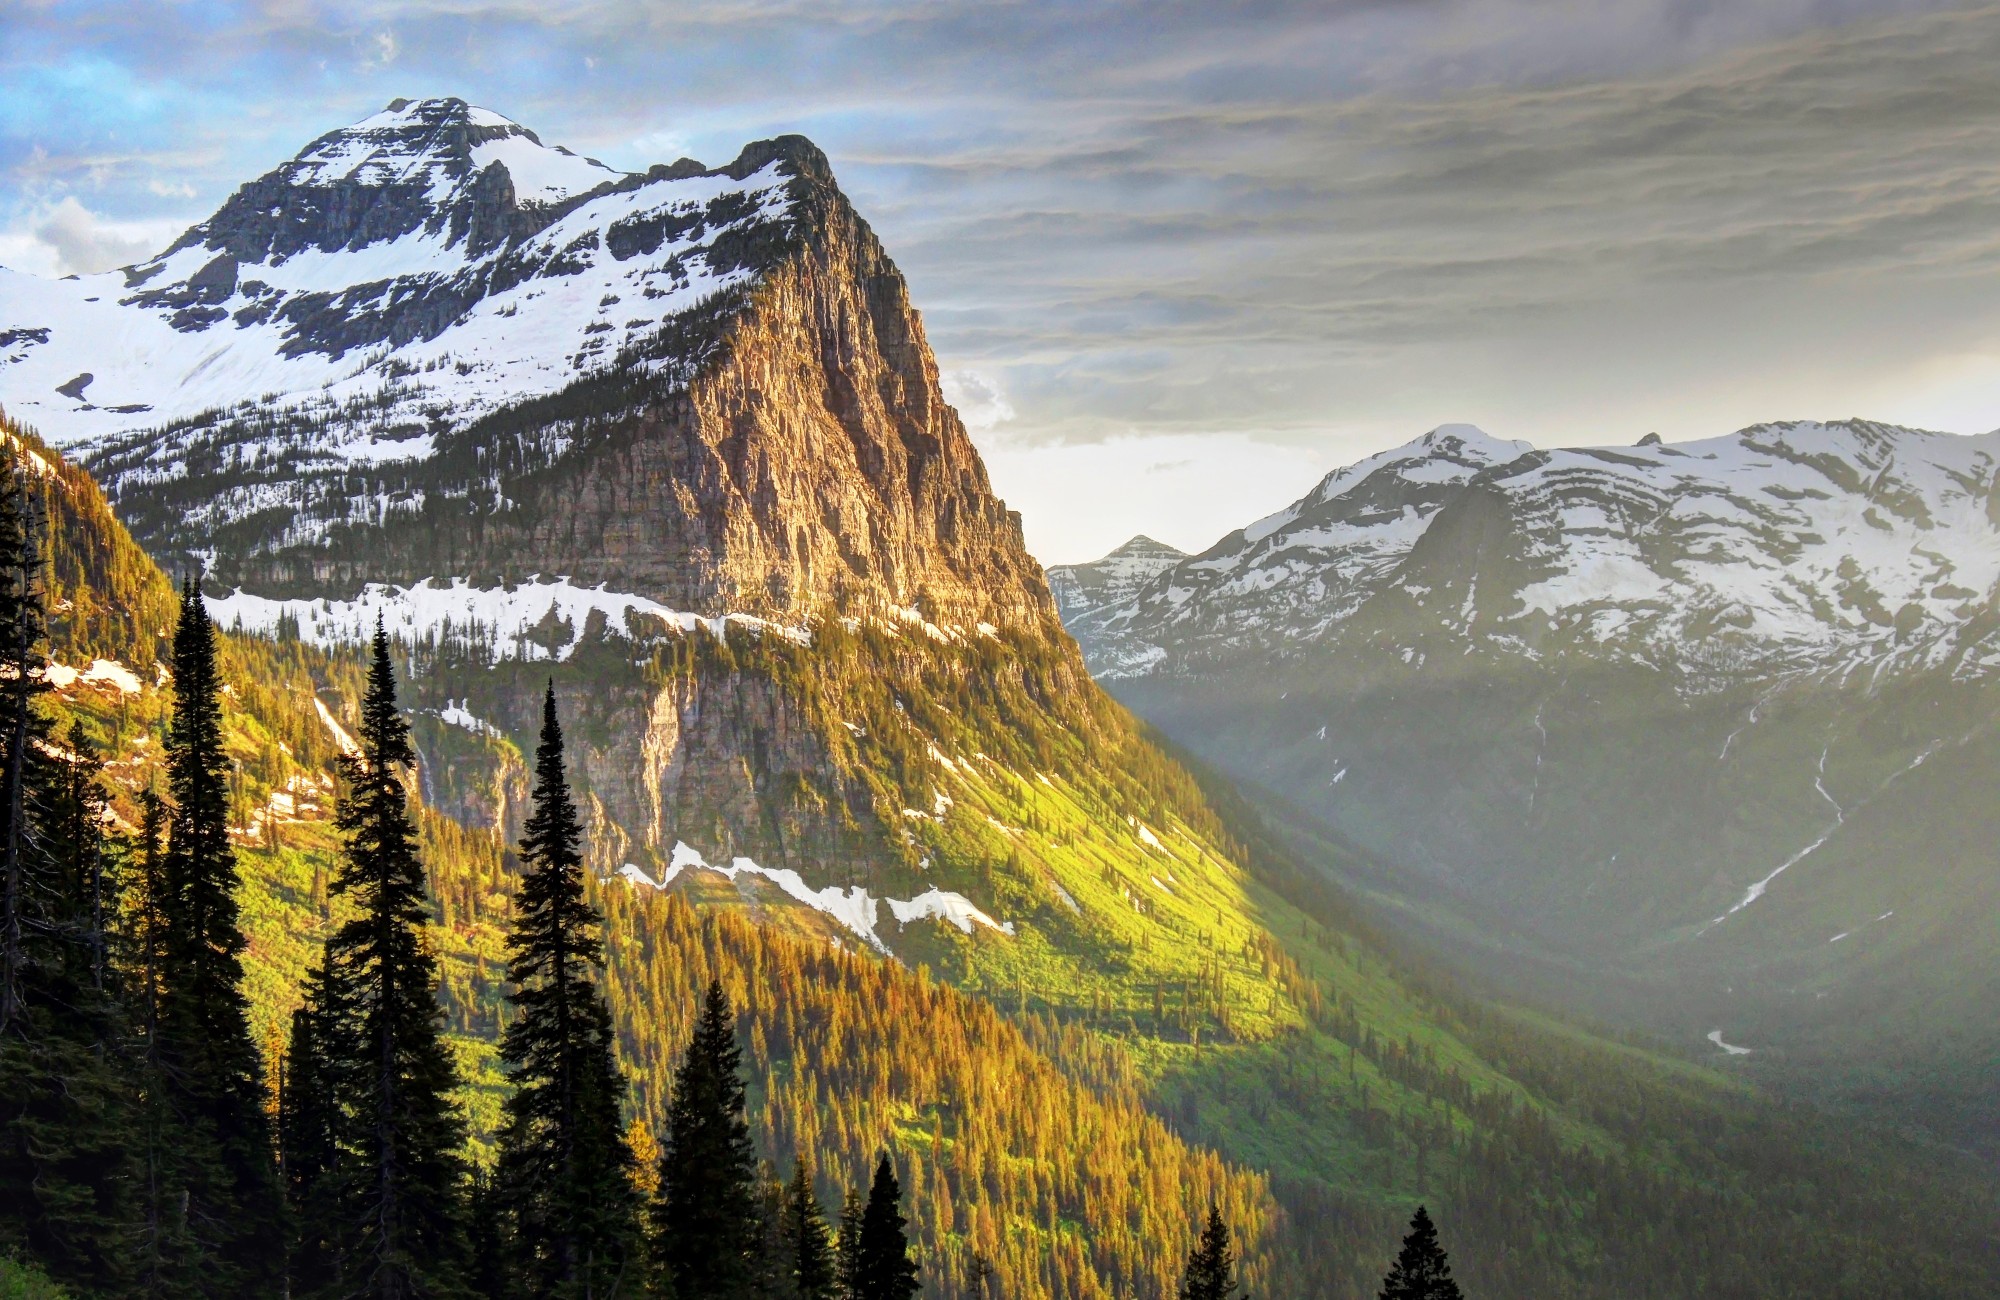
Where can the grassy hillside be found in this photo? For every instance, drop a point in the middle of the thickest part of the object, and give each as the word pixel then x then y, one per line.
pixel 1182 1012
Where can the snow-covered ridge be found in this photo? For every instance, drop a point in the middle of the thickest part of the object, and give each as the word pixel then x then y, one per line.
pixel 851 906
pixel 487 268
pixel 1800 544
pixel 536 619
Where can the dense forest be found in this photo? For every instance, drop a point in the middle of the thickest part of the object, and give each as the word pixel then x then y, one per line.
pixel 1061 1107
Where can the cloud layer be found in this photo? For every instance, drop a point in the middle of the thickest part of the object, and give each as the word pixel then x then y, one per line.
pixel 1316 228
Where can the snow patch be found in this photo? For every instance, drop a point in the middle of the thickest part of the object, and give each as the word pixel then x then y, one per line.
pixel 852 906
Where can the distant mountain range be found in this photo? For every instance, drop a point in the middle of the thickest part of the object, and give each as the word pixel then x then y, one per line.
pixel 1716 716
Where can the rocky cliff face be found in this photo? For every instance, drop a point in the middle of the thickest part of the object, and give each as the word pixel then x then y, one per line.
pixel 483 358
pixel 551 420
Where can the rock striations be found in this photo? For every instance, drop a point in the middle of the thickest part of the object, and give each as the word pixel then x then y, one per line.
pixel 431 347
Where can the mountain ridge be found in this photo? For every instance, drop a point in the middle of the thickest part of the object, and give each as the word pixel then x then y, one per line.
pixel 1704 717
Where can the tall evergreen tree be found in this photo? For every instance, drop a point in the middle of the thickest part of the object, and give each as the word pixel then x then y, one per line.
pixel 1210 1263
pixel 809 1259
pixel 705 1224
pixel 887 1271
pixel 1421 1271
pixel 211 1071
pixel 21 632
pixel 564 1172
pixel 847 1247
pixel 398 1182
pixel 309 1129
pixel 64 1102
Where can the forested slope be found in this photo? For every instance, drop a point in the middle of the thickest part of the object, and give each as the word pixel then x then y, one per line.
pixel 1180 1013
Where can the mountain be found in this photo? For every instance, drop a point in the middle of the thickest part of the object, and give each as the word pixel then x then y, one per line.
pixel 1080 588
pixel 431 347
pixel 833 746
pixel 1714 716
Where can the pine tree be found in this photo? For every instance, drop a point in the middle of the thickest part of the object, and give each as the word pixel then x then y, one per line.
pixel 64 1101
pixel 211 1073
pixel 847 1247
pixel 309 1127
pixel 705 1215
pixel 1420 1271
pixel 395 1207
pixel 887 1271
pixel 1210 1262
pixel 808 1245
pixel 564 1173
pixel 21 633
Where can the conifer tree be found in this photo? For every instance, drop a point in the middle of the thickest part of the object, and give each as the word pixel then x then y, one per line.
pixel 309 1127
pixel 396 1200
pixel 211 1073
pixel 564 1173
pixel 64 1103
pixel 1421 1271
pixel 887 1271
pixel 1210 1262
pixel 810 1262
pixel 21 631
pixel 847 1246
pixel 705 1215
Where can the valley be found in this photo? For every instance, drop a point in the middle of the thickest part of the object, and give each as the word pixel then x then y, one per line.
pixel 836 742
pixel 1711 723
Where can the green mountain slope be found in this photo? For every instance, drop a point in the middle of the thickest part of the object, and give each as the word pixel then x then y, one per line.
pixel 1181 1012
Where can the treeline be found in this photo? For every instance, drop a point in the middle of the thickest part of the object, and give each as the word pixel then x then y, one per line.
pixel 143 1150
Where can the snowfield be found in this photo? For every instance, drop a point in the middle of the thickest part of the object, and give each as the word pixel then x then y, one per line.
pixel 852 906
pixel 537 619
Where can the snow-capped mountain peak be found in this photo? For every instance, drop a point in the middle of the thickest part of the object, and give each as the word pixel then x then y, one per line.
pixel 426 265
pixel 1782 546
pixel 1079 588
pixel 443 143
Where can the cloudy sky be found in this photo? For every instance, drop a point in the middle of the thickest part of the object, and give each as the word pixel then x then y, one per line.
pixel 1179 259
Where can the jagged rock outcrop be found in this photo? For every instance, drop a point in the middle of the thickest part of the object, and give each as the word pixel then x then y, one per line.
pixel 431 347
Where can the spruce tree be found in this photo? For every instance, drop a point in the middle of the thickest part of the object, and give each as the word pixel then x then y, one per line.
pixel 64 1100
pixel 1420 1271
pixel 705 1224
pixel 396 1203
pixel 212 1074
pixel 1210 1262
pixel 309 1129
pixel 847 1247
pixel 809 1258
pixel 564 1172
pixel 887 1271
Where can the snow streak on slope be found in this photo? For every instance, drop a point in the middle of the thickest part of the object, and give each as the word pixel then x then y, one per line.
pixel 531 620
pixel 852 906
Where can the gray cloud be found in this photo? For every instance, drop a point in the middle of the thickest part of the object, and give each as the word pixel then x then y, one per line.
pixel 83 245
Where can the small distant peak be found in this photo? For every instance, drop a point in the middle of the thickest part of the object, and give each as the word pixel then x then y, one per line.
pixel 1473 440
pixel 1144 545
pixel 398 105
pixel 805 158
pixel 1651 440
